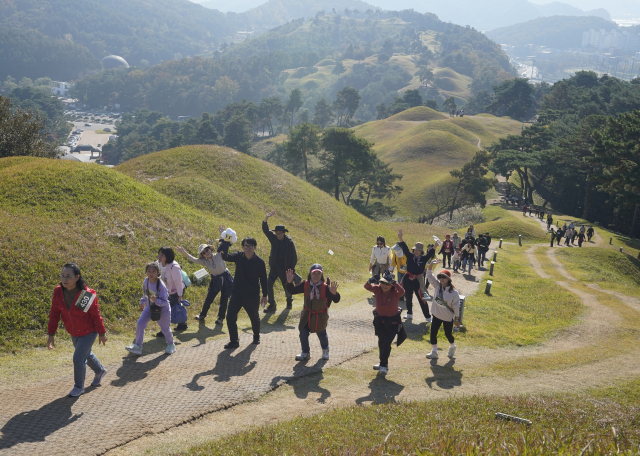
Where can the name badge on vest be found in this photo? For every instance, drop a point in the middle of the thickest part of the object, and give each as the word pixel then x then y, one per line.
pixel 85 300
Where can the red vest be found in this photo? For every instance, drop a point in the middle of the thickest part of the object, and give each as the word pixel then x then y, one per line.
pixel 447 247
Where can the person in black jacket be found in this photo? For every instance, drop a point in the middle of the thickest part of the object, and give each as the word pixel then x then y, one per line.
pixel 282 258
pixel 250 277
pixel 416 263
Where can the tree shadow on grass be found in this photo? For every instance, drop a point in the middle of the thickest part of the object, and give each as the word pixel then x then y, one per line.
pixel 37 425
pixel 383 391
pixel 133 371
pixel 445 377
pixel 227 366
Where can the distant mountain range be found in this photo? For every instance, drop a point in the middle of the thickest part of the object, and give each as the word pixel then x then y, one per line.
pixel 481 14
pixel 618 9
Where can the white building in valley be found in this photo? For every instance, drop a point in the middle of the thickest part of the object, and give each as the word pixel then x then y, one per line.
pixel 615 41
pixel 60 88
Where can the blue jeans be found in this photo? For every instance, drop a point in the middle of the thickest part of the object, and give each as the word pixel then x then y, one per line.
pixel 465 260
pixel 304 339
pixel 83 356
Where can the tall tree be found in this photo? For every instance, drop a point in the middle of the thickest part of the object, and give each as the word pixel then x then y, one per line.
pixel 449 105
pixel 617 150
pixel 323 113
pixel 471 180
pixel 513 98
pixel 23 133
pixel 303 142
pixel 269 109
pixel 346 104
pixel 294 103
pixel 238 134
pixel 343 156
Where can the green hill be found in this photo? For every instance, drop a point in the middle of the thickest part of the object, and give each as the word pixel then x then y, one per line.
pixel 560 32
pixel 425 152
pixel 417 114
pixel 112 222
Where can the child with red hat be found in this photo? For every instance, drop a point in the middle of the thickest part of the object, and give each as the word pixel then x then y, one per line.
pixel 445 309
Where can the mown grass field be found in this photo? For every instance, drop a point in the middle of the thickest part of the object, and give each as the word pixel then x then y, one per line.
pixel 424 145
pixel 596 422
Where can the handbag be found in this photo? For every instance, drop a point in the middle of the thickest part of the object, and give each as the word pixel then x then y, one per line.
pixel 179 312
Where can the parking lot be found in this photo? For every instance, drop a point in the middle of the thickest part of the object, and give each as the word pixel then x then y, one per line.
pixel 85 133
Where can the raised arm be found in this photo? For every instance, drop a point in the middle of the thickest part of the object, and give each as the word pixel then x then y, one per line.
pixel 265 226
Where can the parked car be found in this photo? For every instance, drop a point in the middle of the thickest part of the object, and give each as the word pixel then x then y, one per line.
pixel 87 125
pixel 107 129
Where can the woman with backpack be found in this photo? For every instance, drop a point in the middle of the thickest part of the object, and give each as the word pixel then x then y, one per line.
pixel 172 277
pixel 318 296
pixel 155 307
pixel 445 309
pixel 77 305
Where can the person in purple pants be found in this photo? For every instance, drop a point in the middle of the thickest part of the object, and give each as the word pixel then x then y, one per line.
pixel 155 306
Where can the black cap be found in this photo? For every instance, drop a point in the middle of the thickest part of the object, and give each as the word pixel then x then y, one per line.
pixel 316 266
pixel 280 228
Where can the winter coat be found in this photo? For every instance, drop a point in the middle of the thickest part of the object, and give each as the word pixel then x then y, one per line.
pixel 290 255
pixel 450 298
pixel 399 264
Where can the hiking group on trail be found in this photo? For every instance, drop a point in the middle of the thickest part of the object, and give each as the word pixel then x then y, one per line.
pixel 164 286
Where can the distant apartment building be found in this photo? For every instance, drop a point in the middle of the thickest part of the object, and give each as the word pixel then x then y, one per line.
pixel 614 42
pixel 60 88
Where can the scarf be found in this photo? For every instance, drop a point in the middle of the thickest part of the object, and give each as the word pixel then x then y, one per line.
pixel 315 290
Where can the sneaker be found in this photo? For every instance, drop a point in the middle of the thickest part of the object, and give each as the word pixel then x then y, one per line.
pixel 270 308
pixel 376 367
pixel 290 305
pixel 408 316
pixel 232 345
pixel 170 350
pixel 200 318
pixel 303 356
pixel 256 340
pixel 429 320
pixel 219 321
pixel 383 370
pixel 97 379
pixel 433 355
pixel 135 349
pixel 181 327
pixel 75 392
pixel 452 351
pixel 325 353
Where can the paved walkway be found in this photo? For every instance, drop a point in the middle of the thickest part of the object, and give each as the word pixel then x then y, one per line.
pixel 41 419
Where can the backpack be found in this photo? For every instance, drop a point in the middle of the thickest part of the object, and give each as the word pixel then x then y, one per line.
pixel 179 312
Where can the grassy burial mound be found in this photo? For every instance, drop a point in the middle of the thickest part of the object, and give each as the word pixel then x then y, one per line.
pixel 425 151
pixel 112 222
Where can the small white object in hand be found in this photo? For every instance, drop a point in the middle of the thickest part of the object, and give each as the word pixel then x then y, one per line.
pixel 330 252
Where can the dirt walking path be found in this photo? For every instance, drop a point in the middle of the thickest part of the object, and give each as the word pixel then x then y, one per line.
pixel 412 377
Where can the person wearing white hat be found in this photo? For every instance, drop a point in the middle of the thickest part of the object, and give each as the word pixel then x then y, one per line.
pixel 221 280
pixel 445 308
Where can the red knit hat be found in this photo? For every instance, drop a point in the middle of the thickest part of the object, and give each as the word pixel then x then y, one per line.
pixel 445 273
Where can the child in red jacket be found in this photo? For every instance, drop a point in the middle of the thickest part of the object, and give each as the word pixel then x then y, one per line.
pixel 77 305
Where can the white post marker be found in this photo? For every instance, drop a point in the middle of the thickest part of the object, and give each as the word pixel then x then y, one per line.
pixel 491 270
pixel 500 246
pixel 621 249
pixel 520 240
pixel 610 240
pixel 495 256
pixel 487 290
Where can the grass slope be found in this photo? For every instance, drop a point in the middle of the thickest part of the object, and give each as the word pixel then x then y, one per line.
pixel 425 151
pixel 112 222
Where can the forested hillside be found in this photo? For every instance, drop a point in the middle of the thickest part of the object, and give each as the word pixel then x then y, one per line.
pixel 30 53
pixel 380 57
pixel 134 29
pixel 562 32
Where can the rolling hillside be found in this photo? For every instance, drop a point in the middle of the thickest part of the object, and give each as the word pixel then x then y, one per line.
pixel 424 145
pixel 112 222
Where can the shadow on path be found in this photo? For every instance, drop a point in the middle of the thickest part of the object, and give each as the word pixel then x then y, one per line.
pixel 200 335
pixel 445 377
pixel 133 371
pixel 278 325
pixel 382 391
pixel 36 425
pixel 309 383
pixel 227 366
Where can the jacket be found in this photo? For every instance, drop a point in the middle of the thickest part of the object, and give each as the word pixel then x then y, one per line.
pixel 290 255
pixel 380 255
pixel 76 322
pixel 399 264
pixel 159 290
pixel 447 247
pixel 172 277
pixel 450 298
pixel 415 265
pixel 386 303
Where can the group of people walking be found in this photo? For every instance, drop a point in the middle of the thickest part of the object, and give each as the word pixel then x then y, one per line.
pixel 570 233
pixel 164 286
